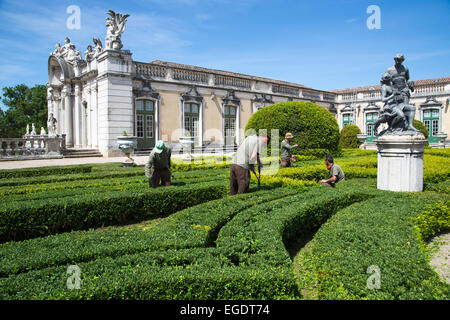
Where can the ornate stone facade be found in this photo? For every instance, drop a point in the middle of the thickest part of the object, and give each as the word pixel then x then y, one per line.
pixel 95 99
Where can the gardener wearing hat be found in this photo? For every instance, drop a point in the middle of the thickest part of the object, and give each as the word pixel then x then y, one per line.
pixel 286 150
pixel 157 167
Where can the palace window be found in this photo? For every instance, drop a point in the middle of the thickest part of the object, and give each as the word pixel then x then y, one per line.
pixel 191 122
pixel 431 120
pixel 347 118
pixel 145 123
pixel 371 117
pixel 230 112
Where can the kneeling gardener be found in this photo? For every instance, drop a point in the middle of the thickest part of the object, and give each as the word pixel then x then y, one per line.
pixel 336 173
pixel 157 168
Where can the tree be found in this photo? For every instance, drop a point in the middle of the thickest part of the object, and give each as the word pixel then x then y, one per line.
pixel 349 137
pixel 314 127
pixel 24 106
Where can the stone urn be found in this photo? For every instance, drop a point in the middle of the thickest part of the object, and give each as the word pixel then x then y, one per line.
pixel 187 143
pixel 441 137
pixel 362 138
pixel 127 144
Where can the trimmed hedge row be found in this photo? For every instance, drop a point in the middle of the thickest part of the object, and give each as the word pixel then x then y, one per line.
pixel 196 226
pixel 256 237
pixel 377 232
pixel 199 273
pixel 86 185
pixel 434 219
pixel 33 172
pixel 24 220
pixel 194 273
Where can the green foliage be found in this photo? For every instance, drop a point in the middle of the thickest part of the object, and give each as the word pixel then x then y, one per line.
pixel 433 220
pixel 376 232
pixel 24 106
pixel 43 215
pixel 348 138
pixel 421 127
pixel 313 126
pixel 203 244
pixel 42 171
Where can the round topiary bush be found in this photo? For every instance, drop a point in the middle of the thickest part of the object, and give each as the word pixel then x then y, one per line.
pixel 348 137
pixel 313 126
pixel 421 127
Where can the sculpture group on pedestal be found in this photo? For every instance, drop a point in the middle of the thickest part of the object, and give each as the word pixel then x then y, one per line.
pixel 395 93
pixel 116 26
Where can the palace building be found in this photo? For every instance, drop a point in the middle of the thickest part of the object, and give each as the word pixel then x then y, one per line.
pixel 96 99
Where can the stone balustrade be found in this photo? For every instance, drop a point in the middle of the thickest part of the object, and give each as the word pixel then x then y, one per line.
pixel 285 90
pixel 188 75
pixel 150 70
pixel 232 82
pixel 31 147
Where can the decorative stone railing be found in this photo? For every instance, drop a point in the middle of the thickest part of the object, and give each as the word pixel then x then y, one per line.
pixel 187 75
pixel 374 94
pixel 32 147
pixel 232 82
pixel 150 70
pixel 285 90
pixel 429 89
pixel 329 97
pixel 311 95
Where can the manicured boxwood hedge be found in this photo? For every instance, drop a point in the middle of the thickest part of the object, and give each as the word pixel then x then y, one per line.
pixel 222 272
pixel 196 226
pixel 348 137
pixel 27 219
pixel 313 126
pixel 40 171
pixel 377 232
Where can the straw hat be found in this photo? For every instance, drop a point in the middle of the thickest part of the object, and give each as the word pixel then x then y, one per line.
pixel 288 135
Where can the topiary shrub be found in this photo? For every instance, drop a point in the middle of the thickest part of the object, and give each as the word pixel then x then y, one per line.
pixel 313 126
pixel 348 138
pixel 421 127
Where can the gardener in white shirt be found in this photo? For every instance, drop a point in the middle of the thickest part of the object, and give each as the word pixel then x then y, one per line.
pixel 244 161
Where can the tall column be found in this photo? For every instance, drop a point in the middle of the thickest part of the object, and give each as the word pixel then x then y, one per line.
pixel 68 118
pixel 78 121
pixel 94 107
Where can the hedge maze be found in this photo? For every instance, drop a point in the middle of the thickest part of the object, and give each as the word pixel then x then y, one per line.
pixel 193 241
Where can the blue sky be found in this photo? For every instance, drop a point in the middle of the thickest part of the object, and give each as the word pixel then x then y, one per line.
pixel 324 44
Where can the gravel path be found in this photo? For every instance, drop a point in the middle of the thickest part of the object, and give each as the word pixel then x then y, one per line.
pixel 441 259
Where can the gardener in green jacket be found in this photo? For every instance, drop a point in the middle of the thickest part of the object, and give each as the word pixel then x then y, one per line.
pixel 286 150
pixel 157 168
pixel 336 173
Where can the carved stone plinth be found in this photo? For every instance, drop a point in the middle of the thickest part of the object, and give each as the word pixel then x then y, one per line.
pixel 400 162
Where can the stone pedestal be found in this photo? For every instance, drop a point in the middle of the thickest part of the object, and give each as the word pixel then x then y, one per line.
pixel 53 146
pixel 400 162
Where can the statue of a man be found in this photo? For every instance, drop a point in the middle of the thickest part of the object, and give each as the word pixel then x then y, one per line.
pixel 57 51
pixel 66 47
pixel 51 126
pixel 402 85
pixel 89 53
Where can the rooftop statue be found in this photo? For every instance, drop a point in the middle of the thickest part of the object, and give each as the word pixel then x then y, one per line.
pixel 116 26
pixel 395 93
pixel 98 48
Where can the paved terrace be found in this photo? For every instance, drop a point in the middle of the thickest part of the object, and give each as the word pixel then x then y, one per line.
pixel 139 160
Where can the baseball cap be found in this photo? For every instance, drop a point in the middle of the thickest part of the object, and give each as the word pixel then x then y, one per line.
pixel 159 146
